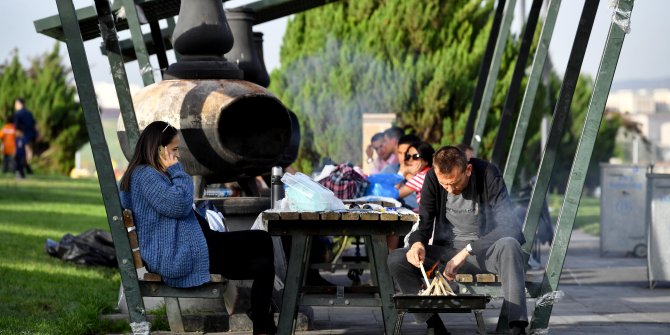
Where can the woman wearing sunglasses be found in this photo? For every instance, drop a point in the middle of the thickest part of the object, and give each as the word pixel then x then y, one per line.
pixel 418 161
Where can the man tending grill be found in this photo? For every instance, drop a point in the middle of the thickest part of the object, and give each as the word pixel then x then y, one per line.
pixel 467 203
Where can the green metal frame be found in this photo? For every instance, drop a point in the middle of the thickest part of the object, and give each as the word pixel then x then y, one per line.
pixel 558 123
pixel 483 73
pixel 111 46
pixel 103 163
pixel 580 165
pixel 515 84
pixel 132 16
pixel 534 78
pixel 493 76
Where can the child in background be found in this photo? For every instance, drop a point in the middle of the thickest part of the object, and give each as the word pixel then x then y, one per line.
pixel 8 137
pixel 20 155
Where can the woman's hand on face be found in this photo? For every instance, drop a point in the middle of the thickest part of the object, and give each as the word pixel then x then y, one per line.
pixel 167 158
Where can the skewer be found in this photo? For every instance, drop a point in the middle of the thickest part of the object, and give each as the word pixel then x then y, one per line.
pixel 423 272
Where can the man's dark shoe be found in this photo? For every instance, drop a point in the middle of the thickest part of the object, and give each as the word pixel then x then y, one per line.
pixel 518 327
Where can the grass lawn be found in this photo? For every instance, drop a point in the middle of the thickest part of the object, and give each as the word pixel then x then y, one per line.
pixel 44 295
pixel 588 214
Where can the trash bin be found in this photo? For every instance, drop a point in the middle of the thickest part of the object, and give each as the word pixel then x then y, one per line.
pixel 623 210
pixel 658 214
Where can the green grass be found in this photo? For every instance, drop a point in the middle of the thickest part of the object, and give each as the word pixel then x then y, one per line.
pixel 588 214
pixel 44 295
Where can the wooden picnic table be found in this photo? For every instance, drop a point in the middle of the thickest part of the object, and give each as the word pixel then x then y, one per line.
pixel 372 225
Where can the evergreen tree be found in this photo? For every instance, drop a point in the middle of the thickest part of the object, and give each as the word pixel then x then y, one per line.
pixel 418 59
pixel 50 96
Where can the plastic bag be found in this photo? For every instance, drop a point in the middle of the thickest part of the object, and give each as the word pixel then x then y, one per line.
pixel 92 247
pixel 384 185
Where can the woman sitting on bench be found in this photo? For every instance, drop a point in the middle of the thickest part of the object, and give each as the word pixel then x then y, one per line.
pixel 172 241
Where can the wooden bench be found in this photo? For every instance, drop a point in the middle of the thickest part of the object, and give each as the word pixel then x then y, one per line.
pixel 152 285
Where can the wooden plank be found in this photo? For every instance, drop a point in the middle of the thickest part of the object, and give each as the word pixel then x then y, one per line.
pixel 330 216
pixel 408 217
pixel 215 278
pixel 153 277
pixel 350 216
pixel 464 278
pixel 290 216
pixel 311 216
pixel 370 216
pixel 128 218
pixel 389 216
pixel 267 216
pixel 486 278
pixel 137 259
pixel 132 238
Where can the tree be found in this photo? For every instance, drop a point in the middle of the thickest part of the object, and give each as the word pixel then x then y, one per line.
pixel 418 59
pixel 50 96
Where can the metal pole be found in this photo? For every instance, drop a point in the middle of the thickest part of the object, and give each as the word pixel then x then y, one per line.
pixel 111 44
pixel 103 162
pixel 580 165
pixel 483 73
pixel 529 96
pixel 159 46
pixel 493 76
pixel 138 42
pixel 515 85
pixel 558 124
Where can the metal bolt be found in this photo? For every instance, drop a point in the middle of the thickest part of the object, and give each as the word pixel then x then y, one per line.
pixel 331 302
pixel 115 218
pixel 124 261
pixel 464 290
pixel 346 302
pixel 215 291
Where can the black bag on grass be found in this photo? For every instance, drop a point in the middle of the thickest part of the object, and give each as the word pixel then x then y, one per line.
pixel 92 247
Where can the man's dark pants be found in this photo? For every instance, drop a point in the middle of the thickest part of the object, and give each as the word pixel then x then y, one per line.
pixel 503 258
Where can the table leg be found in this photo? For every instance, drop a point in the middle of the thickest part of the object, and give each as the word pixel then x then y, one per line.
pixel 386 290
pixel 294 279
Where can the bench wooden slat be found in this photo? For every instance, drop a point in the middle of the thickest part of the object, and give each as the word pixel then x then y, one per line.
pixel 152 277
pixel 388 216
pixel 330 216
pixel 350 216
pixel 311 216
pixel 132 238
pixel 274 216
pixel 128 219
pixel 290 216
pixel 369 216
pixel 486 278
pixel 137 259
pixel 464 278
pixel 215 278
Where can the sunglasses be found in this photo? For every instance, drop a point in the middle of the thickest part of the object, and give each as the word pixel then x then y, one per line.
pixel 415 157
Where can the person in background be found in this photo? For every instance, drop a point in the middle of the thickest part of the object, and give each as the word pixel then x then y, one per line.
pixel 20 155
pixel 419 159
pixel 466 149
pixel 377 146
pixel 467 205
pixel 174 243
pixel 25 122
pixel 391 138
pixel 8 137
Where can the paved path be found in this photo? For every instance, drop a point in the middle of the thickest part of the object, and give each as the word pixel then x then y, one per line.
pixel 603 295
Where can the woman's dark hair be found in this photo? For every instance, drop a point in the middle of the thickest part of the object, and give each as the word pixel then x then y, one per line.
pixel 157 134
pixel 425 150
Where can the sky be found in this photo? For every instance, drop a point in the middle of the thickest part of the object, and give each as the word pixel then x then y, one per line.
pixel 645 53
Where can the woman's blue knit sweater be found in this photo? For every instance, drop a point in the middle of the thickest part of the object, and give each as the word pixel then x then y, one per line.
pixel 171 241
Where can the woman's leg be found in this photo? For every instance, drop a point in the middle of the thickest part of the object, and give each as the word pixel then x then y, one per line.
pixel 244 255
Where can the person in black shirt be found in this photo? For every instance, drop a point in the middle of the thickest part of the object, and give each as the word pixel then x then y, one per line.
pixel 475 231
